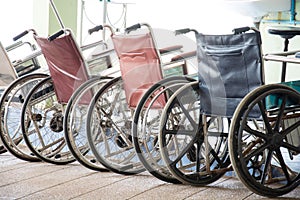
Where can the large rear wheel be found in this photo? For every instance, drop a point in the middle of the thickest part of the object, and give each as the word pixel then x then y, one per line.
pixel 109 122
pixel 75 123
pixel 42 124
pixel 193 146
pixel 264 141
pixel 145 129
pixel 11 104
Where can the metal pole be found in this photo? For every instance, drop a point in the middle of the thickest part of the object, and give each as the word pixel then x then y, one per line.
pixel 81 20
pixel 104 17
pixel 56 14
pixel 293 12
pixel 125 16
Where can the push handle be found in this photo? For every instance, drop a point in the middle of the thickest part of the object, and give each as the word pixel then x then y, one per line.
pixel 182 31
pixel 56 35
pixel 132 28
pixel 95 29
pixel 20 35
pixel 240 30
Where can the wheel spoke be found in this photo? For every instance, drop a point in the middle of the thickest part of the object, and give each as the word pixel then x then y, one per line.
pixel 182 153
pixel 266 167
pixel 291 147
pixel 253 165
pixel 290 128
pixel 215 155
pixel 188 116
pixel 255 132
pixel 256 152
pixel 265 117
pixel 280 114
pixel 198 153
pixel 282 164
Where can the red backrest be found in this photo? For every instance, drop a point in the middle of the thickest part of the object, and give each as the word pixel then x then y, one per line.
pixel 139 63
pixel 66 65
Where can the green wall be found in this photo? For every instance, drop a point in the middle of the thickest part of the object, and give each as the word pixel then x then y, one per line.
pixel 67 10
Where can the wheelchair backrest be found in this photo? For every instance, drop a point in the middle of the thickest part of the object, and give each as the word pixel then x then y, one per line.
pixel 66 65
pixel 139 64
pixel 7 71
pixel 230 66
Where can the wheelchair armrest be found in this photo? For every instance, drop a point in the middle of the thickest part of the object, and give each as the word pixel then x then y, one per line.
pixel 102 53
pixel 23 70
pixel 284 53
pixel 170 49
pixel 94 44
pixel 281 58
pixel 14 46
pixel 184 56
pixel 179 61
pixel 33 55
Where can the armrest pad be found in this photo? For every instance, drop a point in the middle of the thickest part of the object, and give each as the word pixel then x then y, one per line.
pixel 184 56
pixel 34 54
pixel 280 58
pixel 170 49
pixel 94 44
pixel 103 53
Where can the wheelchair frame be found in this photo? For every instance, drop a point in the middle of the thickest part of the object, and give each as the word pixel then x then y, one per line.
pixel 257 171
pixel 119 140
pixel 53 149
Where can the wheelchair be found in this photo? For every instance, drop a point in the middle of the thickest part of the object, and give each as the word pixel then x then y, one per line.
pixel 18 73
pixel 264 135
pixel 240 123
pixel 109 119
pixel 75 114
pixel 43 110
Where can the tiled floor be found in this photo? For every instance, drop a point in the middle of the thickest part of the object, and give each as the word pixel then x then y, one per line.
pixel 25 180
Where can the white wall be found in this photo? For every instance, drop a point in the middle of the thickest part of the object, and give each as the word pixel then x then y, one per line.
pixel 16 16
pixel 204 15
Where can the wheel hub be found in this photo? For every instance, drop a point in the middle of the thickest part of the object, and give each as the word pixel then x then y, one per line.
pixel 120 142
pixel 36 117
pixel 56 123
pixel 275 140
pixel 106 123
